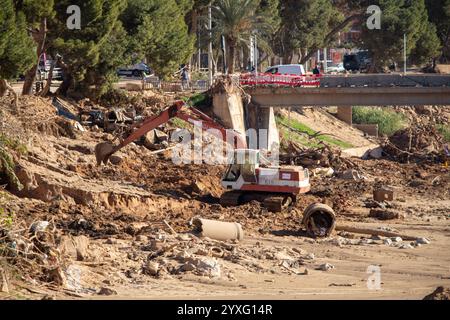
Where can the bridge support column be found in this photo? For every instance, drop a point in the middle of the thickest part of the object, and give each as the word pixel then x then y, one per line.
pixel 345 114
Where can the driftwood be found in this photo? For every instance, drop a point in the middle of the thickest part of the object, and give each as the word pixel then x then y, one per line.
pixel 375 232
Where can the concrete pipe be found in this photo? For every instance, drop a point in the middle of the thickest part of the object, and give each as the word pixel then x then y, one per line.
pixel 218 230
pixel 319 220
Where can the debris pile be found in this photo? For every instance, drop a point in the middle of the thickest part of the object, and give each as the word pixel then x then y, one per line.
pixel 416 143
pixel 322 156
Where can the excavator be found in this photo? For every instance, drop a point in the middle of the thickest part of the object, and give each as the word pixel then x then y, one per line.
pixel 247 178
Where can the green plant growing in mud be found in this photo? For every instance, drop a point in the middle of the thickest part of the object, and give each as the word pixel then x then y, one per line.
pixel 444 129
pixel 303 132
pixel 7 164
pixel 388 121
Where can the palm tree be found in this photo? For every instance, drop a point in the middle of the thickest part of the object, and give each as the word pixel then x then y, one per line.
pixel 237 20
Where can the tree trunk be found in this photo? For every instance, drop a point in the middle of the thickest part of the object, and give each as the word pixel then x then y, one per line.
pixel 5 85
pixel 3 89
pixel 30 76
pixel 329 37
pixel 49 80
pixel 231 55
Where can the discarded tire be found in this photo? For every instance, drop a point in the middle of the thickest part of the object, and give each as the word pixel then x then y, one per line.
pixel 319 220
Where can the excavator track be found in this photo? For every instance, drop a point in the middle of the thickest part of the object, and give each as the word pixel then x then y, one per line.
pixel 277 203
pixel 231 199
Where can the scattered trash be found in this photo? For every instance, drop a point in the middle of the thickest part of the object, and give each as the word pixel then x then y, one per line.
pixel 325 267
pixel 322 172
pixel 423 241
pixel 39 226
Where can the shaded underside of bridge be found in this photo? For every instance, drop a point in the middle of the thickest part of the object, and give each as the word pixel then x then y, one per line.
pixel 361 90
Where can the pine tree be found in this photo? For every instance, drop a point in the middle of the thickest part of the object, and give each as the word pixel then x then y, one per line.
pixel 37 13
pixel 306 25
pixel 82 49
pixel 16 47
pixel 439 15
pixel 159 32
pixel 400 17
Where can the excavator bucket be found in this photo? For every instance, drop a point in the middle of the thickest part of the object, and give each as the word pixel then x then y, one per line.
pixel 103 151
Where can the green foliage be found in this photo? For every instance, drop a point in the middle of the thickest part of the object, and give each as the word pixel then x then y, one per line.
pixel 388 121
pixel 401 17
pixel 158 32
pixel 86 51
pixel 439 15
pixel 305 25
pixel 6 217
pixel 7 169
pixel 13 144
pixel 16 47
pixel 444 129
pixel 237 20
pixel 303 132
pixel 200 100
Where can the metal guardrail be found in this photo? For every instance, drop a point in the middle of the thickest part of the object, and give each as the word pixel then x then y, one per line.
pixel 280 80
pixel 174 86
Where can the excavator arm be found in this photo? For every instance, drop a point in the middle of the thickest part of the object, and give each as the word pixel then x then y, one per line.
pixel 104 150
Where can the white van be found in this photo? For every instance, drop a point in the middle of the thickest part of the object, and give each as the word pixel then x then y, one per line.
pixel 296 69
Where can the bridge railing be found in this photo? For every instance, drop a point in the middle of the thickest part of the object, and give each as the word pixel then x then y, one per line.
pixel 279 80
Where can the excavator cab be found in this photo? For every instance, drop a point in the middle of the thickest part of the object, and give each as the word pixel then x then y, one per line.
pixel 245 163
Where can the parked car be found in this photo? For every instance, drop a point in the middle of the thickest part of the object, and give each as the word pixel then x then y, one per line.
pixel 296 69
pixel 359 61
pixel 136 70
pixel 335 67
pixel 44 68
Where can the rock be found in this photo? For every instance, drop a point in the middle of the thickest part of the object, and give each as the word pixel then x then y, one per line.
pixel 198 187
pixel 82 246
pixel 207 267
pixel 383 194
pixel 325 267
pixel 440 293
pixel 309 256
pixel 406 246
pixel 323 172
pixel 397 239
pixel 141 238
pixel 365 241
pixel 351 175
pixel 387 242
pixel 423 241
pixel 187 267
pixel 383 214
pixel 74 247
pixel 151 268
pixel 57 276
pixel 106 292
pixel 115 159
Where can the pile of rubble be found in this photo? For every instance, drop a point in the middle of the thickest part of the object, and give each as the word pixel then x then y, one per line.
pixel 416 143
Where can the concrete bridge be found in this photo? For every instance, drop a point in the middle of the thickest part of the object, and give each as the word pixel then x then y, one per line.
pixel 359 90
pixel 341 91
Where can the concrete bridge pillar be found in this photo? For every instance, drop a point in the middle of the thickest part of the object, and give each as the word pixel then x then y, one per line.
pixel 345 114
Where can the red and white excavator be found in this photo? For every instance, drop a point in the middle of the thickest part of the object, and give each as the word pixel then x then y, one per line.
pixel 245 179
